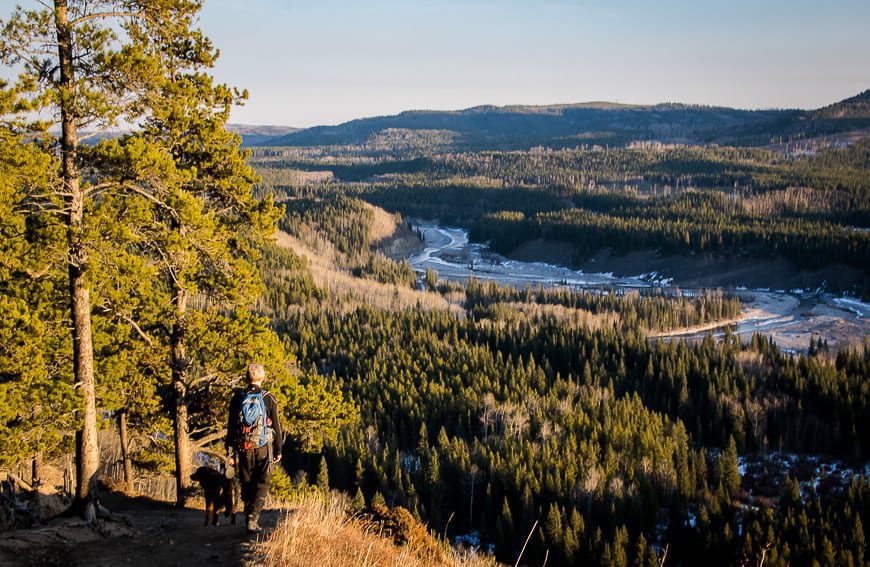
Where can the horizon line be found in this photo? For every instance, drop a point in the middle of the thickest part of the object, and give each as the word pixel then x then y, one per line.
pixel 549 105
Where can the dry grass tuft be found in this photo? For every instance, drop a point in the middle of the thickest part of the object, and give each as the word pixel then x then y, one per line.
pixel 317 531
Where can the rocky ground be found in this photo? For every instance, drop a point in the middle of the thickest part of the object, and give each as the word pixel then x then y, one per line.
pixel 141 533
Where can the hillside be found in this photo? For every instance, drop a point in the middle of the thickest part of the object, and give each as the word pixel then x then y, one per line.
pixel 310 530
pixel 568 125
pixel 857 106
pixel 319 531
pixel 848 115
pixel 515 127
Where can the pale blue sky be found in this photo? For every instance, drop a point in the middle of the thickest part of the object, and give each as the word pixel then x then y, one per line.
pixel 308 62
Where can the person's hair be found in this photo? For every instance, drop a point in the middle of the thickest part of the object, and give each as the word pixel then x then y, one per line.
pixel 256 372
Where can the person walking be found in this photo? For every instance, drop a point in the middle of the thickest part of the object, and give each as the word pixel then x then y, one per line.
pixel 253 443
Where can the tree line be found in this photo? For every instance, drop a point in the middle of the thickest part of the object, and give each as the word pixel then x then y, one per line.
pixel 649 309
pixel 809 245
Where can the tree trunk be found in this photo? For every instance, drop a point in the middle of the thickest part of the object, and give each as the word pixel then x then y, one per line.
pixel 183 452
pixel 36 470
pixel 125 450
pixel 88 453
pixel 471 501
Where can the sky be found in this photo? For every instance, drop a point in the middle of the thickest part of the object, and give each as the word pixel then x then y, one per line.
pixel 310 62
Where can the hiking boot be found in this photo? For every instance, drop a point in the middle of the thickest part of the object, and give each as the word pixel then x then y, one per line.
pixel 252 524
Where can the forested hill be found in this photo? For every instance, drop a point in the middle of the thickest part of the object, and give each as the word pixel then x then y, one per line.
pixel 857 106
pixel 252 135
pixel 521 127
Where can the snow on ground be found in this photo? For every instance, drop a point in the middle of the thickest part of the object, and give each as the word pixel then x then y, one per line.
pixel 789 318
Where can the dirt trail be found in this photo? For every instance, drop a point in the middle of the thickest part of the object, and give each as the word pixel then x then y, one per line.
pixel 156 535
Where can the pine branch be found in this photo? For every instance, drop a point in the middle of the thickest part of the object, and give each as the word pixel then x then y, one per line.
pixel 107 308
pixel 103 15
pixel 208 439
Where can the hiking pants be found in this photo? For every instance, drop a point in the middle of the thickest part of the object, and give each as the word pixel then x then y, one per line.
pixel 255 472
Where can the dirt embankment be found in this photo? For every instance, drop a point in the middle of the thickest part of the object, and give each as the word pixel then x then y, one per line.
pixel 392 237
pixel 402 243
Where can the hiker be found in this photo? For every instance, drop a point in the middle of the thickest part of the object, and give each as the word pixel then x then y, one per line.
pixel 253 443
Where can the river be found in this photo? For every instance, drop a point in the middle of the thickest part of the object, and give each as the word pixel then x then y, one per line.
pixel 790 317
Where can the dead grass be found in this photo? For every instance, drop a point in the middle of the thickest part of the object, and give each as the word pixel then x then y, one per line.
pixel 353 291
pixel 317 531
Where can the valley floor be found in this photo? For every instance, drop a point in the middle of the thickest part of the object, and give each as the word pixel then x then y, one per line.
pixel 790 316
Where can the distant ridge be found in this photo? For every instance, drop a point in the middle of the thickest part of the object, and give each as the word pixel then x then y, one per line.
pixel 857 106
pixel 252 134
pixel 590 123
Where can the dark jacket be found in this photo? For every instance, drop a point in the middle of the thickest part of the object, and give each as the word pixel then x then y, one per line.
pixel 233 425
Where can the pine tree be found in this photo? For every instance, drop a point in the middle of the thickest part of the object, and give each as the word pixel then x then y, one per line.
pixel 358 504
pixel 553 526
pixel 378 500
pixel 323 477
pixel 358 472
pixel 791 493
pixel 640 551
pixel 37 400
pixel 431 279
pixel 729 472
pixel 573 535
pixel 84 65
pixel 620 548
pixel 505 544
pixel 858 541
pixel 207 225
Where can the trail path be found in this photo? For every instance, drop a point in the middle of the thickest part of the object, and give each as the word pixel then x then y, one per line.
pixel 158 535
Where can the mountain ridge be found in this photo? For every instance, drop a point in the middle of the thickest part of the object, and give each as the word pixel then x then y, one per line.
pixel 597 122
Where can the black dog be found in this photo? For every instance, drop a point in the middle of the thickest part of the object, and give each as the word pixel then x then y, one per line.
pixel 219 493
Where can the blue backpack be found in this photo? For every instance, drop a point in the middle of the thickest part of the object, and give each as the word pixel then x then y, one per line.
pixel 253 424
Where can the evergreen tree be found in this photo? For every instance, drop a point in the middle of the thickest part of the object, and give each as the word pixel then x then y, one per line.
pixel 553 525
pixel 619 557
pixel 358 504
pixel 378 500
pixel 639 558
pixel 729 471
pixel 574 533
pixel 431 279
pixel 37 400
pixel 505 544
pixel 207 226
pixel 323 476
pixel 84 65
